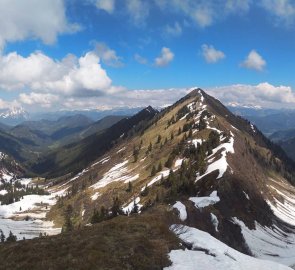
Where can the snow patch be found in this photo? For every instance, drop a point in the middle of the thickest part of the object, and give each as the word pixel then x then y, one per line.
pixel 178 162
pixel 163 173
pixel 270 243
pixel 119 172
pixel 95 196
pixel 220 164
pixel 201 202
pixel 214 221
pixel 181 209
pixel 208 253
pixel 128 209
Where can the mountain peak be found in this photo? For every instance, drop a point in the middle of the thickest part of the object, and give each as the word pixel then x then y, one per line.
pixel 13 115
pixel 150 109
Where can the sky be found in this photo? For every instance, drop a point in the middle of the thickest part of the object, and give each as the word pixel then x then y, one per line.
pixel 103 54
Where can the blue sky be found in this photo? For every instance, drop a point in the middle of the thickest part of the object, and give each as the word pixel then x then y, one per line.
pixel 240 51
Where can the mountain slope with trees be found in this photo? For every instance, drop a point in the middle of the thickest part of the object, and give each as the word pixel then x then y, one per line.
pixel 194 164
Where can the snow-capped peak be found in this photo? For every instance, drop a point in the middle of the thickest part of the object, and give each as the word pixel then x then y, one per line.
pixel 14 113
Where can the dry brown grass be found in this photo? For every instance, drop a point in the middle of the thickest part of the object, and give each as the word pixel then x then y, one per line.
pixel 136 242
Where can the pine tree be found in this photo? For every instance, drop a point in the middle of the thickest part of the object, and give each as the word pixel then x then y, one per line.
pixel 159 139
pixel 11 237
pixel 154 171
pixel 172 136
pixel 2 236
pixel 150 147
pixel 169 162
pixel 145 192
pixel 116 208
pixel 159 167
pixel 135 154
pixel 135 207
pixel 95 217
pixel 129 189
pixel 179 131
pixel 68 225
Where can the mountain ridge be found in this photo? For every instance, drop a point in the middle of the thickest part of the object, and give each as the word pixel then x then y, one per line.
pixel 194 166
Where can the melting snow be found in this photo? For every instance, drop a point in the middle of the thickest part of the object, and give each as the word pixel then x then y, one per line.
pixel 284 210
pixel 104 160
pixel 220 164
pixel 120 150
pixel 270 243
pixel 181 209
pixel 118 173
pixel 246 195
pixel 3 192
pixel 201 202
pixel 164 173
pixel 209 253
pixel 95 196
pixel 196 142
pixel 6 176
pixel 215 222
pixel 178 162
pixel 127 209
pixel 33 206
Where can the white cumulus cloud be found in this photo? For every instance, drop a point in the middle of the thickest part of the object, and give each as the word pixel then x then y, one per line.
pixel 282 10
pixel 174 30
pixel 43 100
pixel 40 73
pixel 33 19
pixel 254 61
pixel 138 10
pixel 106 5
pixel 165 58
pixel 107 55
pixel 211 55
pixel 263 94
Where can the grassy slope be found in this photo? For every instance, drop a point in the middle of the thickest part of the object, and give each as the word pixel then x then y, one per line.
pixel 136 242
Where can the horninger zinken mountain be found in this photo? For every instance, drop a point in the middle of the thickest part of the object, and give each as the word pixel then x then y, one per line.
pixel 190 187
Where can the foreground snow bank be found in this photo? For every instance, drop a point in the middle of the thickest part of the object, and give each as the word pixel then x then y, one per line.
pixel 208 253
pixel 272 244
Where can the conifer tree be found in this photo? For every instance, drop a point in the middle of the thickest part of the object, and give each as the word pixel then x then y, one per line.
pixel 2 236
pixel 159 167
pixel 129 189
pixel 154 171
pixel 11 237
pixel 172 136
pixel 135 207
pixel 68 226
pixel 179 131
pixel 116 208
pixel 150 147
pixel 159 138
pixel 145 192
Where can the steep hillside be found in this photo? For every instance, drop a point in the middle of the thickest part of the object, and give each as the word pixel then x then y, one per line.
pixel 76 156
pixel 217 182
pixel 9 168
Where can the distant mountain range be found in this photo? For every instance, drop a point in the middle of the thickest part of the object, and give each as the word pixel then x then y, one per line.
pixel 18 115
pixel 13 116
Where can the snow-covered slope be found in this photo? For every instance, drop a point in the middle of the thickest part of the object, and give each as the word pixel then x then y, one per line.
pixel 206 253
pixel 13 116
